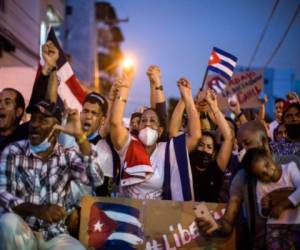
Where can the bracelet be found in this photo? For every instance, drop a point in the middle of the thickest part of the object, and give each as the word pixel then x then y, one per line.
pixel 121 99
pixel 159 87
pixel 81 139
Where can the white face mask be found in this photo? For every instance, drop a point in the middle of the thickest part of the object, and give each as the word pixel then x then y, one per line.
pixel 148 136
pixel 241 154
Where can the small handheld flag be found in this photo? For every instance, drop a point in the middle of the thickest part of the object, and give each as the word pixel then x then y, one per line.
pixel 222 63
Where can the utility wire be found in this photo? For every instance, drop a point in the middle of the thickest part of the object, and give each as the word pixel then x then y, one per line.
pixel 263 34
pixel 283 37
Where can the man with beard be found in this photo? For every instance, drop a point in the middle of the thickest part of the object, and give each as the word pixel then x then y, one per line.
pixel 243 189
pixel 12 107
pixel 35 177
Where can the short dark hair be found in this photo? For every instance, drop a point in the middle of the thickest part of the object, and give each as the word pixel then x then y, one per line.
pixel 94 97
pixel 20 102
pixel 291 105
pixel 213 137
pixel 155 111
pixel 279 100
pixel 135 114
pixel 253 155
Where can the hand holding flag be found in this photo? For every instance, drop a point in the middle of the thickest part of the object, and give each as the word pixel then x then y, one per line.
pixel 50 55
pixel 69 88
pixel 222 63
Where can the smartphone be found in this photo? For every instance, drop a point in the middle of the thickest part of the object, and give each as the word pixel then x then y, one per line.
pixel 232 100
pixel 202 211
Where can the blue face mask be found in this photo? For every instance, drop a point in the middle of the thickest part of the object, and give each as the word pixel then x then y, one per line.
pixel 92 136
pixel 42 147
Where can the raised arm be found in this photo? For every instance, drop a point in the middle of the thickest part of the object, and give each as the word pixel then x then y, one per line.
pixel 105 128
pixel 203 110
pixel 194 128
pixel 119 134
pixel 262 109
pixel 235 107
pixel 226 148
pixel 156 89
pixel 157 96
pixel 176 119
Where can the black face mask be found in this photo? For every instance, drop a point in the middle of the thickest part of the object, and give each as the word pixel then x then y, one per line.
pixel 200 159
pixel 293 131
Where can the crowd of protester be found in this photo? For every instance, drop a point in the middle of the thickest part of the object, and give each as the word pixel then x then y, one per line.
pixel 48 163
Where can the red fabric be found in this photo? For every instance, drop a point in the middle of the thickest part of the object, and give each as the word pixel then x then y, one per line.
pixel 76 89
pixel 97 238
pixel 136 155
pixel 214 58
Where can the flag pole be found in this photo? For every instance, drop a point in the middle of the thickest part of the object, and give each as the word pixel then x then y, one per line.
pixel 204 78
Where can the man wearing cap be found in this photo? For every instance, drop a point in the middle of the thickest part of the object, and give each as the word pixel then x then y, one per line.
pixel 35 176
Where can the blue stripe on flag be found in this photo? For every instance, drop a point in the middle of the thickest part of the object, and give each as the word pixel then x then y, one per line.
pixel 118 208
pixel 182 162
pixel 224 53
pixel 116 245
pixel 221 72
pixel 124 227
pixel 227 65
pixel 167 195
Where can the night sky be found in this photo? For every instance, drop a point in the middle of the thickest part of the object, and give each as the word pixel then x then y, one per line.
pixel 178 36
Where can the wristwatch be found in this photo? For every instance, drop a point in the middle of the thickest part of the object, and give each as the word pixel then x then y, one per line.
pixel 159 87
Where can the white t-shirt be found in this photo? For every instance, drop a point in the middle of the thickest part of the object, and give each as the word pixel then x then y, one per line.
pixel 104 157
pixel 290 178
pixel 150 189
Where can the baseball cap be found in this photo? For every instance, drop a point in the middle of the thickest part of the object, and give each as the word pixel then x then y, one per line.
pixel 46 108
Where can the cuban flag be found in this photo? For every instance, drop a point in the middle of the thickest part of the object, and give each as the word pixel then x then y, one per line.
pixel 217 84
pixel 222 62
pixel 69 88
pixel 114 226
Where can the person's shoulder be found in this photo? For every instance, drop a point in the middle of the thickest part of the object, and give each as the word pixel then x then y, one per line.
pixel 17 147
pixel 290 166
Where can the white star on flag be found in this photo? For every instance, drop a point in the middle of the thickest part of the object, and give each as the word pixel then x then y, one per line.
pixel 98 226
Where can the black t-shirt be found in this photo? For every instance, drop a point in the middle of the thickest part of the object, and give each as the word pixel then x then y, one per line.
pixel 207 183
pixel 20 133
